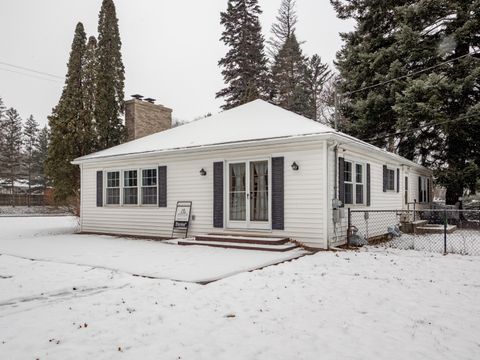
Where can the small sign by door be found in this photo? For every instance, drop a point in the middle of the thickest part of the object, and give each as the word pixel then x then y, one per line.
pixel 182 217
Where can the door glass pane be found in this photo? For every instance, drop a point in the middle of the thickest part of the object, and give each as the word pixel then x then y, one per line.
pixel 259 191
pixel 237 192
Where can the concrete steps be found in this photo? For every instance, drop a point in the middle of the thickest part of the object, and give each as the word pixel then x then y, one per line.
pixel 246 242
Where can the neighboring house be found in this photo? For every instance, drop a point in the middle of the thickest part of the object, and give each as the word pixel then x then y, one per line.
pixel 255 168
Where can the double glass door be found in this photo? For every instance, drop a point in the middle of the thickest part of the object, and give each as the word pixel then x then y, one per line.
pixel 248 195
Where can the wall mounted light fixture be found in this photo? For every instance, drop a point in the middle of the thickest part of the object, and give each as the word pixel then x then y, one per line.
pixel 295 166
pixel 203 172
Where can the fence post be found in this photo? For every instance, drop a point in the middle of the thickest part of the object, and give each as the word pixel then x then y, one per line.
pixel 445 231
pixel 349 226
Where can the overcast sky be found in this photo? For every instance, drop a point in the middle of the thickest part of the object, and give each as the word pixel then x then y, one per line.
pixel 170 48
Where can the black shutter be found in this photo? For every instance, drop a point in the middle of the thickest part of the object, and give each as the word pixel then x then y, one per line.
pixel 398 180
pixel 278 196
pixel 99 188
pixel 368 185
pixel 385 178
pixel 420 189
pixel 162 186
pixel 341 180
pixel 218 194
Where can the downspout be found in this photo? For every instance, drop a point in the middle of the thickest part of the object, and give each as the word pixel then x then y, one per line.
pixel 335 186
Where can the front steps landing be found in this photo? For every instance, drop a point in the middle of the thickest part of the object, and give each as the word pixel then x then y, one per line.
pixel 246 242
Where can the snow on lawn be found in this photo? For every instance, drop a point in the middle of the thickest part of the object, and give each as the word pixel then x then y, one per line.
pixel 53 239
pixel 376 304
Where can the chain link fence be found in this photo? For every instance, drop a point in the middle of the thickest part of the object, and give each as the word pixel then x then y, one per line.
pixel 434 230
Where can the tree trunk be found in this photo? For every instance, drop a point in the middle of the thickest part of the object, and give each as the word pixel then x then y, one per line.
pixel 454 191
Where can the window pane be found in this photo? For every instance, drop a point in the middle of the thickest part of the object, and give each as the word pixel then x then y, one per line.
pixel 130 178
pixel 348 193
pixel 149 177
pixel 149 195
pixel 348 171
pixel 130 196
pixel 113 196
pixel 113 179
pixel 359 173
pixel 390 179
pixel 359 194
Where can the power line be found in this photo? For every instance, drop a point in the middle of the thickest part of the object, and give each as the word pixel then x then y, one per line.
pixel 32 70
pixel 408 75
pixel 423 126
pixel 31 75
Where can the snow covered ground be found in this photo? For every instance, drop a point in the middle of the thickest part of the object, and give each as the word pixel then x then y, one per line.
pixel 53 239
pixel 371 304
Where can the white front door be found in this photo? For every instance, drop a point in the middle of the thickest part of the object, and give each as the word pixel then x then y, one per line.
pixel 248 195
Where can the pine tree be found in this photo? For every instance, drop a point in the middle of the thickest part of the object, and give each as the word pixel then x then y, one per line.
pixel 2 118
pixel 41 154
pixel 316 75
pixel 430 116
pixel 284 27
pixel 109 96
pixel 90 66
pixel 11 151
pixel 245 65
pixel 66 124
pixel 289 87
pixel 30 138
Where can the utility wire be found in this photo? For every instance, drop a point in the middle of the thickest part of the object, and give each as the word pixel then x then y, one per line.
pixel 31 75
pixel 408 75
pixel 32 70
pixel 423 126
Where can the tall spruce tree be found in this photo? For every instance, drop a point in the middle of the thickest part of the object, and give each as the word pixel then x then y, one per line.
pixel 245 65
pixel 316 75
pixel 11 151
pixel 429 116
pixel 284 26
pixel 90 67
pixel 110 75
pixel 289 87
pixel 41 154
pixel 30 140
pixel 2 118
pixel 66 124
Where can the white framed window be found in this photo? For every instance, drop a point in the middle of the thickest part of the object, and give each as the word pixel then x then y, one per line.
pixel 390 179
pixel 423 189
pixel 130 187
pixel 149 187
pixel 113 188
pixel 354 179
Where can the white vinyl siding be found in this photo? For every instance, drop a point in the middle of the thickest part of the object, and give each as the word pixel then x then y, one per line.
pixel 304 193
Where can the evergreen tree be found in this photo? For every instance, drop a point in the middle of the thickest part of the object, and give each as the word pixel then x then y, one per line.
pixel 109 93
pixel 284 27
pixel 245 65
pixel 41 154
pixel 289 87
pixel 316 75
pixel 30 138
pixel 428 116
pixel 66 124
pixel 2 118
pixel 11 151
pixel 90 65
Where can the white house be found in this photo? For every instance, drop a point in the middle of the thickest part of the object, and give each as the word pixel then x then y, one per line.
pixel 256 169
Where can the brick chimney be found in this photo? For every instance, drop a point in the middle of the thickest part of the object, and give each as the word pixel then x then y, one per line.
pixel 144 117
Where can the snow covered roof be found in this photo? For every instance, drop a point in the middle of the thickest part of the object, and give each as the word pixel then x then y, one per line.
pixel 256 120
